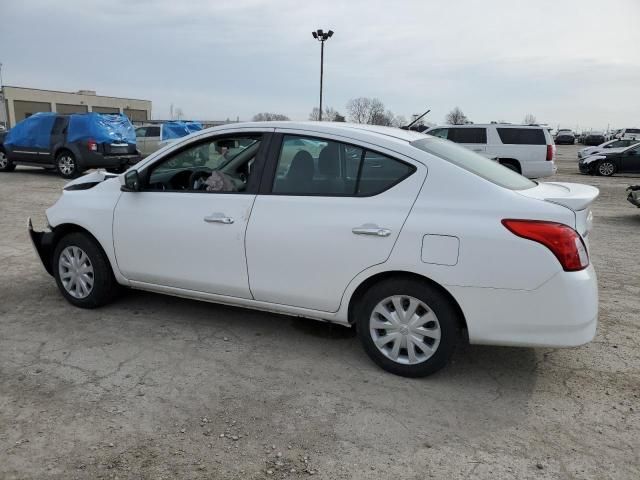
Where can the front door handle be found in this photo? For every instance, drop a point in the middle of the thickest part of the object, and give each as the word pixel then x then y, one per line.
pixel 370 229
pixel 218 218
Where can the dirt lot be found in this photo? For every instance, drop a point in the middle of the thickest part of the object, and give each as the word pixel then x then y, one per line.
pixel 159 387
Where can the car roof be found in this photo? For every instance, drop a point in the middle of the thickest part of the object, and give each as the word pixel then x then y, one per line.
pixel 337 128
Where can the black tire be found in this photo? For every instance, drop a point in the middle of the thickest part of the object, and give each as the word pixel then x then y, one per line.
pixel 67 165
pixel 104 287
pixel 6 165
pixel 605 168
pixel 447 318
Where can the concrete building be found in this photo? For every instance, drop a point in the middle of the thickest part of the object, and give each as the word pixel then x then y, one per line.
pixel 19 103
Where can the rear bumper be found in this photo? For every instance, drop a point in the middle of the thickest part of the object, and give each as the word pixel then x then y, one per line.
pixel 43 245
pixel 98 160
pixel 563 312
pixel 538 169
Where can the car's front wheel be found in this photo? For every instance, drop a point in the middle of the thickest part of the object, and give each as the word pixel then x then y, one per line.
pixel 67 165
pixel 82 271
pixel 407 327
pixel 606 168
pixel 6 165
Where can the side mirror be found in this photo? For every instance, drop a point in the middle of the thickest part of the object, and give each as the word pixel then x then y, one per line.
pixel 130 181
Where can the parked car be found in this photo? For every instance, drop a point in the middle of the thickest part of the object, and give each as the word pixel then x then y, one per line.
pixel 70 144
pixel 610 146
pixel 152 137
pixel 412 238
pixel 594 138
pixel 608 163
pixel 565 137
pixel 629 133
pixel 528 150
pixel 634 195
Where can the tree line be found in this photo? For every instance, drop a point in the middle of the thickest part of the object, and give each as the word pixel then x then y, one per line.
pixel 372 111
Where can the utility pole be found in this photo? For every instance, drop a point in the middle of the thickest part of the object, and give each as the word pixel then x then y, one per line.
pixel 321 37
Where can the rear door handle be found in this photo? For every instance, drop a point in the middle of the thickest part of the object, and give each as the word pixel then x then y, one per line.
pixel 369 229
pixel 218 218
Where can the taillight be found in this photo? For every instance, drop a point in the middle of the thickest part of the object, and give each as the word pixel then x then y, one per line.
pixel 92 146
pixel 563 241
pixel 551 152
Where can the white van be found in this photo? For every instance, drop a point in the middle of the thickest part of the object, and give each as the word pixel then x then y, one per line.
pixel 528 150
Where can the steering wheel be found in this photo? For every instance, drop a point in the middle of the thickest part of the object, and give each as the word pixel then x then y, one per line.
pixel 198 178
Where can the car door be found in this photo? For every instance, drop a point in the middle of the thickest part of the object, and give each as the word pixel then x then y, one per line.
pixel 30 139
pixel 58 138
pixel 630 160
pixel 322 218
pixel 181 232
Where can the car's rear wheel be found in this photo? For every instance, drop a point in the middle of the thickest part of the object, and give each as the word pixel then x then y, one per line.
pixel 6 165
pixel 67 165
pixel 407 327
pixel 606 168
pixel 82 271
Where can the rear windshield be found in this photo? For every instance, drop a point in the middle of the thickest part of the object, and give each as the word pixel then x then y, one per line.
pixel 522 136
pixel 632 130
pixel 474 163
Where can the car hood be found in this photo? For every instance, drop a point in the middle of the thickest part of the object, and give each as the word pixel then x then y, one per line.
pixel 593 150
pixel 89 181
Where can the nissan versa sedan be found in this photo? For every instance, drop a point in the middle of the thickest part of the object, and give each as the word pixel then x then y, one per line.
pixel 415 241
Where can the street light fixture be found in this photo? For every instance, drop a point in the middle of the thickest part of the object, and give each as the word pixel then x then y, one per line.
pixel 321 37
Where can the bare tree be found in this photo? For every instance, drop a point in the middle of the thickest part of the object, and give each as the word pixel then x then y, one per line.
pixel 369 110
pixel 456 117
pixel 267 117
pixel 530 119
pixel 329 115
pixel 358 109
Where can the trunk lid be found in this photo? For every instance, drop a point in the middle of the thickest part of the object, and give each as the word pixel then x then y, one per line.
pixel 574 196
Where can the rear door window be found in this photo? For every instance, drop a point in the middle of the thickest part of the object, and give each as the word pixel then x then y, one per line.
pixel 522 136
pixel 153 132
pixel 314 166
pixel 468 135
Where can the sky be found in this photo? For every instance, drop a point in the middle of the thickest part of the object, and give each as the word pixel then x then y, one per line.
pixel 570 63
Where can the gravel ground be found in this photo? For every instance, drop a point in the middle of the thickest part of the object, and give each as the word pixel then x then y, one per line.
pixel 159 387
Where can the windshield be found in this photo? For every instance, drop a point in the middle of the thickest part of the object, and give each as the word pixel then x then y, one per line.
pixel 474 163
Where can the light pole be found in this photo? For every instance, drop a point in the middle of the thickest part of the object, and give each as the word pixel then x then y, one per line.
pixel 321 37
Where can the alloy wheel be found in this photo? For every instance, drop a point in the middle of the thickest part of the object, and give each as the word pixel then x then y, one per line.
pixel 405 329
pixel 76 272
pixel 606 169
pixel 4 161
pixel 66 164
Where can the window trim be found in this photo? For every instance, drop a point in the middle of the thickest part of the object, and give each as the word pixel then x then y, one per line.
pixel 253 185
pixel 271 165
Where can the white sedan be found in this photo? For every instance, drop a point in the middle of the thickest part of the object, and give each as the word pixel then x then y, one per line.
pixel 614 145
pixel 414 240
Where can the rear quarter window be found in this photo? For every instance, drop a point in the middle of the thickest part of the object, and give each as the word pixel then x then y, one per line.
pixel 522 136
